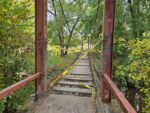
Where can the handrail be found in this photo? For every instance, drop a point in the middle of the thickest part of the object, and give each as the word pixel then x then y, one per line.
pixel 10 89
pixel 126 106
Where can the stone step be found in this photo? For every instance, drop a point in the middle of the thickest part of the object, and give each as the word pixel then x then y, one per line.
pixel 72 91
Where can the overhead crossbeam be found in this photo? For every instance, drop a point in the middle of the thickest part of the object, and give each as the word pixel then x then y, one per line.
pixel 108 30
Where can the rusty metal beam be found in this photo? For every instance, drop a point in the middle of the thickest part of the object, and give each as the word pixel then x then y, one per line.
pixel 7 91
pixel 125 105
pixel 41 46
pixel 108 30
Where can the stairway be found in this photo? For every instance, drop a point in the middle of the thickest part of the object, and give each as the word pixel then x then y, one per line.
pixel 75 83
pixel 73 93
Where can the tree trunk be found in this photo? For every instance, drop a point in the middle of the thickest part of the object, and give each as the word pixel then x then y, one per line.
pixel 134 23
pixel 62 54
pixel 96 22
pixel 81 44
pixel 70 35
pixel 60 31
pixel 66 52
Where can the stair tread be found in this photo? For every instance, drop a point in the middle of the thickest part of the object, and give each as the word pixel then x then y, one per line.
pixel 80 70
pixel 81 64
pixel 77 90
pixel 78 78
pixel 73 83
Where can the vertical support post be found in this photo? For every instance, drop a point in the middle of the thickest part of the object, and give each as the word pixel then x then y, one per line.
pixel 41 46
pixel 108 31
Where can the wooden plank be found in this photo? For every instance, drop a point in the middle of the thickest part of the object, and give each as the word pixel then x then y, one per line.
pixel 82 64
pixel 75 90
pixel 80 70
pixel 80 74
pixel 41 46
pixel 5 92
pixel 108 30
pixel 66 104
pixel 73 83
pixel 78 78
pixel 84 61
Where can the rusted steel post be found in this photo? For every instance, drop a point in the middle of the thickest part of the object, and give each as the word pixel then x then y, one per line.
pixel 41 46
pixel 108 30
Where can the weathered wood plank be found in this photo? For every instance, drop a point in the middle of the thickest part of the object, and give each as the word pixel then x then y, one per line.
pixel 80 70
pixel 66 104
pixel 73 83
pixel 78 78
pixel 76 90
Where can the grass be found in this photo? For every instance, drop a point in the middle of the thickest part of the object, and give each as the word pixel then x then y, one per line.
pixel 53 60
pixel 60 63
pixel 67 60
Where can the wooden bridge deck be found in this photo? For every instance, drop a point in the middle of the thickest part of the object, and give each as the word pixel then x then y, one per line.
pixel 70 95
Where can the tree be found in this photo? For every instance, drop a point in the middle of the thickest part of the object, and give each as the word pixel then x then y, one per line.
pixel 67 15
pixel 16 45
pixel 130 44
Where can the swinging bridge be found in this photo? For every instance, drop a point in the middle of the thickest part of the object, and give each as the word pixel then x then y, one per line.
pixel 79 88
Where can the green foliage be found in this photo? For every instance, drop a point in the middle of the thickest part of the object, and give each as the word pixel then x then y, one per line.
pixel 146 91
pixel 93 18
pixel 131 46
pixel 62 63
pixel 139 67
pixel 2 105
pixel 136 71
pixel 17 99
pixel 54 60
pixel 16 48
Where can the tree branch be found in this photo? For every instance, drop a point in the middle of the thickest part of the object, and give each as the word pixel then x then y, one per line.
pixel 64 15
pixel 51 12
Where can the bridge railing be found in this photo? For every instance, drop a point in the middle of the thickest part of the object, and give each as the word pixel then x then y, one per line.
pixel 125 105
pixel 10 89
pixel 123 102
pixel 14 87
